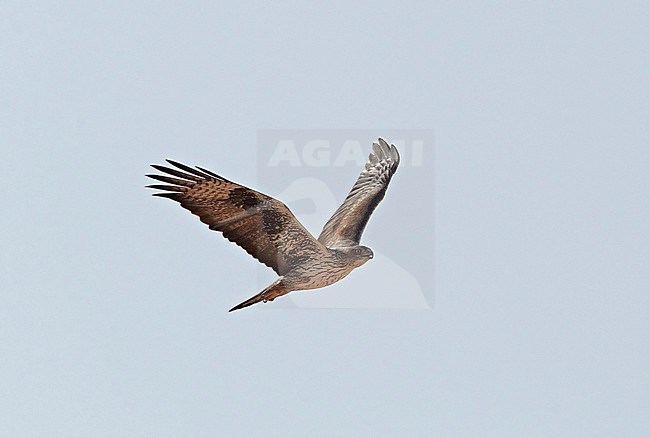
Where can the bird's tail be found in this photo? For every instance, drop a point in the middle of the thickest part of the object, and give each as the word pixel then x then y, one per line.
pixel 272 291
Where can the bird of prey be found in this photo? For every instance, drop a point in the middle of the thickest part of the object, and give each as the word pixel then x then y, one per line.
pixel 267 230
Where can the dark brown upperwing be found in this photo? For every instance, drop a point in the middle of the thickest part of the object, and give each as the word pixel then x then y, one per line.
pixel 348 222
pixel 263 226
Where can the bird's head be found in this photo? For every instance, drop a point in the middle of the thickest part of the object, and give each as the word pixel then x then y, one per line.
pixel 359 254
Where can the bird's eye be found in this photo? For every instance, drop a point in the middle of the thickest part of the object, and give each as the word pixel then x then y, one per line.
pixel 357 251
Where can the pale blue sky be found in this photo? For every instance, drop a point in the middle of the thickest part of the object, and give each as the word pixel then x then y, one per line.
pixel 113 317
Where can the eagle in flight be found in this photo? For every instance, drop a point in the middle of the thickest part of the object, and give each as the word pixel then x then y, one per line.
pixel 267 230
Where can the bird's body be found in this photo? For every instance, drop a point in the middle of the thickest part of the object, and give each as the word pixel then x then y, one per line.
pixel 267 229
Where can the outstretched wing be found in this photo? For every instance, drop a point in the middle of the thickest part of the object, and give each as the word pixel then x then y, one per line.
pixel 263 226
pixel 346 224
